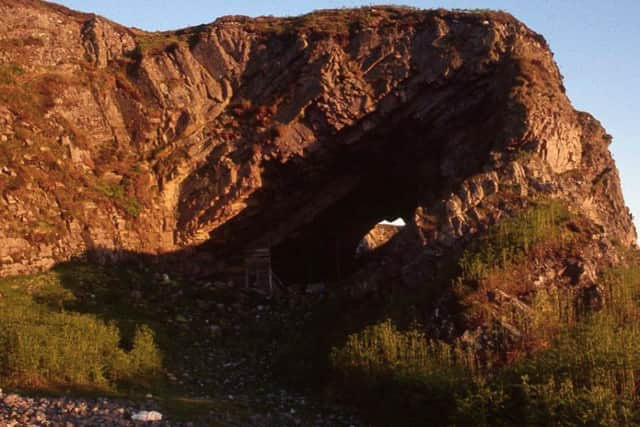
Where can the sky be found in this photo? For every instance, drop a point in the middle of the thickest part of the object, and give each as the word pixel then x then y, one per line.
pixel 596 44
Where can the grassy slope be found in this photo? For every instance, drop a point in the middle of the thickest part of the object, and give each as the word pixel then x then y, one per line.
pixel 566 365
pixel 587 375
pixel 63 332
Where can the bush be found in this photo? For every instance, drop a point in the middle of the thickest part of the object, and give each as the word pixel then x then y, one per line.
pixel 144 358
pixel 119 196
pixel 8 73
pixel 508 241
pixel 55 349
pixel 44 347
pixel 405 369
pixel 588 376
pixel 382 350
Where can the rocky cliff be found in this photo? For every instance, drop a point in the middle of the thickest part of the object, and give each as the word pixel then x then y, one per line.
pixel 298 134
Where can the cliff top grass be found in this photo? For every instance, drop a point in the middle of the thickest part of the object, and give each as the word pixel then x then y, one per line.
pixel 335 22
pixel 155 43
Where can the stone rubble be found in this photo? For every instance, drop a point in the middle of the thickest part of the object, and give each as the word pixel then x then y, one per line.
pixel 208 368
pixel 18 411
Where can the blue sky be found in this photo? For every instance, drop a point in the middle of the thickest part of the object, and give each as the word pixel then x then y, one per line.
pixel 596 43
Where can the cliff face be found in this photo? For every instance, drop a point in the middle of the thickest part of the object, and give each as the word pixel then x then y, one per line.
pixel 299 134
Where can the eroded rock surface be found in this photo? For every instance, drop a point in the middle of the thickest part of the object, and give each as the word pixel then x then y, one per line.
pixel 298 134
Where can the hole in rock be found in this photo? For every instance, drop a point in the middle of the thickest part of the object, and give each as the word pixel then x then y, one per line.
pixel 313 212
pixel 392 182
pixel 400 166
pixel 330 247
pixel 398 222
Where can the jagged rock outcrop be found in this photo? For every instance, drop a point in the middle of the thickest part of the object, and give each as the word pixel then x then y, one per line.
pixel 377 237
pixel 298 134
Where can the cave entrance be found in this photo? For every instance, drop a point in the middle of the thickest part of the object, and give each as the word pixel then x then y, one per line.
pixel 334 246
pixel 329 247
pixel 385 175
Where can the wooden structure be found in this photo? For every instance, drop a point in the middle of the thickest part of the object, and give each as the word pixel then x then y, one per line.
pixel 257 269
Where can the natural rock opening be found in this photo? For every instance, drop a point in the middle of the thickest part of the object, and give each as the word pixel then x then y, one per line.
pixel 327 248
pixel 210 141
pixel 402 173
pixel 398 222
pixel 342 187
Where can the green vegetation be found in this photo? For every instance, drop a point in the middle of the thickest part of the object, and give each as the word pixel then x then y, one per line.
pixel 564 363
pixel 79 329
pixel 155 43
pixel 44 345
pixel 82 329
pixel 587 376
pixel 118 194
pixel 418 379
pixel 538 228
pixel 381 350
pixel 8 73
pixel 403 369
pixel 508 241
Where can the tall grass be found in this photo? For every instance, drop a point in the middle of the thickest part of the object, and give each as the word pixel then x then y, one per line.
pixel 587 376
pixel 381 350
pixel 43 346
pixel 67 349
pixel 508 241
pixel 404 369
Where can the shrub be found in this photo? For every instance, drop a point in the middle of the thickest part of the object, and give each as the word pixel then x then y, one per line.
pixel 42 346
pixel 405 369
pixel 145 358
pixel 118 194
pixel 8 73
pixel 382 350
pixel 587 376
pixel 508 241
pixel 55 349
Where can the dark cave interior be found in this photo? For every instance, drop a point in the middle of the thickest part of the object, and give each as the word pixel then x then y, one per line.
pixel 397 167
pixel 324 249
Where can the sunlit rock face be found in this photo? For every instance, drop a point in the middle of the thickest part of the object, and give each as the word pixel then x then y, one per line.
pixel 377 237
pixel 295 134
